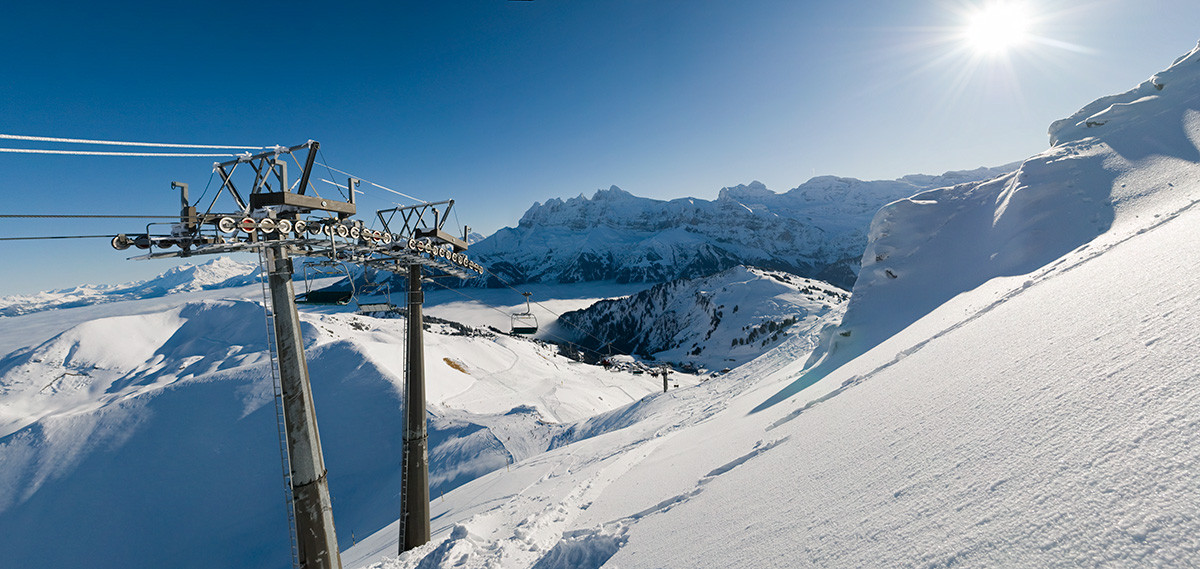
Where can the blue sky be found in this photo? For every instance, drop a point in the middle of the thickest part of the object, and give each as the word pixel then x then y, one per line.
pixel 499 104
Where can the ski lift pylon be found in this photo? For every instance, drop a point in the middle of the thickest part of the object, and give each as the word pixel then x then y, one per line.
pixel 525 322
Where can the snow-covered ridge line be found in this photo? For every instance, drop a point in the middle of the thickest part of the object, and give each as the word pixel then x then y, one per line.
pixel 1139 101
pixel 1118 164
pixel 221 272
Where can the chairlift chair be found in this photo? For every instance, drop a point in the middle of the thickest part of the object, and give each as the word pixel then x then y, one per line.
pixel 524 322
pixel 330 295
pixel 371 289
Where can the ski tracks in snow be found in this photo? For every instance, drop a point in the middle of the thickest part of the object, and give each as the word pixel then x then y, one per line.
pixel 540 539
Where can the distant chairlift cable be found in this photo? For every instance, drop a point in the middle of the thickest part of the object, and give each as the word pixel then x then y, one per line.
pixel 105 153
pixel 56 237
pixel 344 173
pixel 124 143
pixel 506 314
pixel 544 307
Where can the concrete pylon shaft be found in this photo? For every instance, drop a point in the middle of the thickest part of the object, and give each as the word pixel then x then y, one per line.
pixel 415 506
pixel 315 534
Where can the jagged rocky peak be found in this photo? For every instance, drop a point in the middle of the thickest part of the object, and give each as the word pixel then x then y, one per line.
pixel 755 189
pixel 613 193
pixel 577 211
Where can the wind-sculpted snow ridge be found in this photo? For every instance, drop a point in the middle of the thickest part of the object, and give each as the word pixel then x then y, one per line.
pixel 1115 160
pixel 711 323
pixel 221 272
pixel 816 230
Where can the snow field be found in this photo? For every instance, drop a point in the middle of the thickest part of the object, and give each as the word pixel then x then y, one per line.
pixel 1043 430
pixel 174 383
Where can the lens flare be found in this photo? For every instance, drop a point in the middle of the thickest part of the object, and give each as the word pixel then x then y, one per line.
pixel 998 27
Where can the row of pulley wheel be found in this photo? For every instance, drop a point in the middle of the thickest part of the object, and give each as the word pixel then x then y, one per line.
pixel 299 227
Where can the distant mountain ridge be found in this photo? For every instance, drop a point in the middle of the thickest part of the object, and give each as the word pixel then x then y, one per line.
pixel 220 272
pixel 816 230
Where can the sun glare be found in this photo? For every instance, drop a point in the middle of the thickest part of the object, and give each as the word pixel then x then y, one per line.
pixel 997 28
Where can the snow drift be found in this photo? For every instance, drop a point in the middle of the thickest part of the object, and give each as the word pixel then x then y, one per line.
pixel 1114 161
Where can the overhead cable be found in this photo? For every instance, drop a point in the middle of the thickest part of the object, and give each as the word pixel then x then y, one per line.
pixel 384 188
pixel 56 237
pixel 543 307
pixel 123 143
pixel 543 332
pixel 82 216
pixel 105 153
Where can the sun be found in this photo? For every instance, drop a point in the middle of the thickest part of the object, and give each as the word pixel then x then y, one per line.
pixel 997 28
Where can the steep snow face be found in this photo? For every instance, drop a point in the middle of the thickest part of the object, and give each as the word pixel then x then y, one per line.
pixel 221 272
pixel 1117 162
pixel 716 322
pixel 815 230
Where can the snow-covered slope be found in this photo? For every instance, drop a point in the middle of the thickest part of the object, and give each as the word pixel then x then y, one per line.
pixel 716 322
pixel 221 272
pixel 1139 151
pixel 1025 419
pixel 156 417
pixel 815 230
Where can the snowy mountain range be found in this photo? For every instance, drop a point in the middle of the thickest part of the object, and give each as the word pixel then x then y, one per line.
pixel 716 322
pixel 816 230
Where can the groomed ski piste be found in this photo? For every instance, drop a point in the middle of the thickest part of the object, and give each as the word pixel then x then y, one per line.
pixel 1015 383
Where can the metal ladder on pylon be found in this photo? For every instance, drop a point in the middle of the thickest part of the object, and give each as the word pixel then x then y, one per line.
pixel 404 441
pixel 280 417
